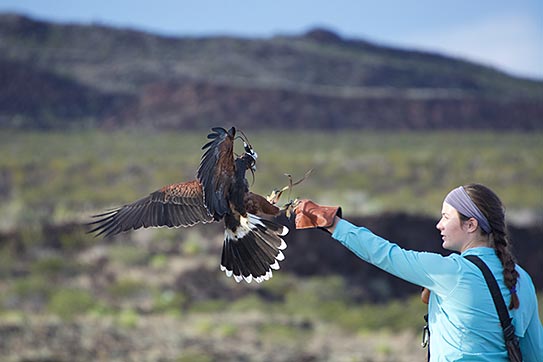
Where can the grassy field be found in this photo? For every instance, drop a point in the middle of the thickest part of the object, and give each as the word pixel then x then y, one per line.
pixel 57 176
pixel 158 296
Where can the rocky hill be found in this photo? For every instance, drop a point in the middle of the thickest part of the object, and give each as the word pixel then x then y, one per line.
pixel 68 75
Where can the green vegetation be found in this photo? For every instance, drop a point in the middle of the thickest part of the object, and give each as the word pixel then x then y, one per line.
pixel 194 356
pixel 50 178
pixel 325 299
pixel 70 302
pixel 51 183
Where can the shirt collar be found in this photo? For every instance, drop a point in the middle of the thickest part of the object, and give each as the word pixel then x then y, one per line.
pixel 481 250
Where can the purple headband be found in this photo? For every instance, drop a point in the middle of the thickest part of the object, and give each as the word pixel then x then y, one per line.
pixel 460 200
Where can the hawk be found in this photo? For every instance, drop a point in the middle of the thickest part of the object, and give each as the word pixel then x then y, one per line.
pixel 253 241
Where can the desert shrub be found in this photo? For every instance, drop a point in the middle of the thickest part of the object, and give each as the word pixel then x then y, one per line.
pixel 32 235
pixel 192 243
pixel 209 306
pixel 195 356
pixel 168 301
pixel 158 261
pixel 248 303
pixel 54 266
pixel 101 309
pixel 277 287
pixel 227 330
pixel 127 288
pixel 319 296
pixel 128 254
pixel 73 240
pixel 31 289
pixel 69 303
pixel 327 299
pixel 205 325
pixel 395 315
pixel 286 334
pixel 127 318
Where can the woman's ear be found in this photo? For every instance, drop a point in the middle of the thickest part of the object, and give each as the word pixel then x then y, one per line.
pixel 472 224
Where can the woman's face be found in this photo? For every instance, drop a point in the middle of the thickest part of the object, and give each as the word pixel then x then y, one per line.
pixel 453 234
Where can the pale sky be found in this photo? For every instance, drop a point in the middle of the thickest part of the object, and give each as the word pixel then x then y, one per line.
pixel 504 34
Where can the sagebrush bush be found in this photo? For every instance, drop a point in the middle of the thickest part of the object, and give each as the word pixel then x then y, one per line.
pixel 70 302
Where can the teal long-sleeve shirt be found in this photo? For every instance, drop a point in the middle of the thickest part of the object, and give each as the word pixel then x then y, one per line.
pixel 463 322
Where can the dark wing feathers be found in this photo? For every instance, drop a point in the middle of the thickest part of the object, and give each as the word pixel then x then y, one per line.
pixel 175 205
pixel 216 170
pixel 254 249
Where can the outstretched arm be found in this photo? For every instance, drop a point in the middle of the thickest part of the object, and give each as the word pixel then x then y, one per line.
pixel 425 269
pixel 429 270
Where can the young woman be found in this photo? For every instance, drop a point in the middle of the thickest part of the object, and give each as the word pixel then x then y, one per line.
pixel 463 322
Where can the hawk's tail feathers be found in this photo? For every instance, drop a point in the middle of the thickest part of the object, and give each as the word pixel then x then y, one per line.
pixel 253 250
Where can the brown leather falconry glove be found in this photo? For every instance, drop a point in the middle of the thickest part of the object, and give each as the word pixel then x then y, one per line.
pixel 311 215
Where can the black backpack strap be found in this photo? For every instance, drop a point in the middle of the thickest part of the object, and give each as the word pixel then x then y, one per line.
pixel 499 303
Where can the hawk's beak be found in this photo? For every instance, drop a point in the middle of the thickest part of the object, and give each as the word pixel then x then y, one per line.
pixel 253 166
pixel 251 153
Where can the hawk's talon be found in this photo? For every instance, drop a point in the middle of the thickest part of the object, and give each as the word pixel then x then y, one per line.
pixel 289 207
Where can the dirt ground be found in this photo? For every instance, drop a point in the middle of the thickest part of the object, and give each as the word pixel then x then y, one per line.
pixel 196 338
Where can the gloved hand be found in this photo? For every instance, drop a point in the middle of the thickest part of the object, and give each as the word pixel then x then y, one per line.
pixel 312 215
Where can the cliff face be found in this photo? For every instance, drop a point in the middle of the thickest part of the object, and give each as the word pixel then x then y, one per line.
pixel 69 75
pixel 200 104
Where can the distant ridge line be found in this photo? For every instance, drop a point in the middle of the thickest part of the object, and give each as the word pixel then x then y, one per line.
pixel 59 76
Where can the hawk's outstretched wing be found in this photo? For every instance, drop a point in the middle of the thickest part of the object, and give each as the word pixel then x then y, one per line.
pixel 175 205
pixel 216 171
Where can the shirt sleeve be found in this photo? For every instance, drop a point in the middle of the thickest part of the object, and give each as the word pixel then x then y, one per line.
pixel 531 344
pixel 529 323
pixel 434 271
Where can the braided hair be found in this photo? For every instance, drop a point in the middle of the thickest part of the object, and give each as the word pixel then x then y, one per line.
pixel 491 206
